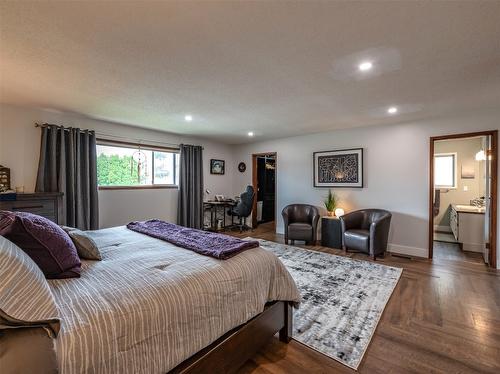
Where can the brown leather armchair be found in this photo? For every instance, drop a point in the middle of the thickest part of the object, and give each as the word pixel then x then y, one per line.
pixel 366 230
pixel 301 222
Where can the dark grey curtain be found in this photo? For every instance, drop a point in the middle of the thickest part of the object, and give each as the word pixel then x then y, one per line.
pixel 68 164
pixel 190 209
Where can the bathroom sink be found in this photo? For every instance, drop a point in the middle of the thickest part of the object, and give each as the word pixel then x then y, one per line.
pixel 469 208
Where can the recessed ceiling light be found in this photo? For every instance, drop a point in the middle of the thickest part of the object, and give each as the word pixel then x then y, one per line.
pixel 365 66
pixel 250 133
pixel 392 110
pixel 188 117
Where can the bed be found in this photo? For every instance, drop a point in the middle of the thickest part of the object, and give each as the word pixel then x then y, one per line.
pixel 152 307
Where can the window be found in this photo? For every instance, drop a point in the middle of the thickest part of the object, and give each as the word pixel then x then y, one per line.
pixel 130 166
pixel 445 170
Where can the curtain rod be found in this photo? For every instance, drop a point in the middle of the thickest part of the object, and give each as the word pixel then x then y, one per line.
pixel 44 125
pixel 113 136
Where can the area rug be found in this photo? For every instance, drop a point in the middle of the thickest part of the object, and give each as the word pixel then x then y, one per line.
pixel 342 300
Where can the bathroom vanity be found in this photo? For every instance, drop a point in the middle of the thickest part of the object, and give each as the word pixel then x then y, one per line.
pixel 467 225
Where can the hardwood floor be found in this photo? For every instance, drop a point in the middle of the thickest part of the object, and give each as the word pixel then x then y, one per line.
pixel 452 251
pixel 444 317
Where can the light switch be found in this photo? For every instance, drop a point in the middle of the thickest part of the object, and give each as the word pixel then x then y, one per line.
pixel 466 188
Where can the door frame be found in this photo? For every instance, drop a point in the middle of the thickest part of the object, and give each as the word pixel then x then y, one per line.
pixel 494 189
pixel 254 184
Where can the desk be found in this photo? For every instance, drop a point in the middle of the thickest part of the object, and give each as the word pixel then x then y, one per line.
pixel 215 210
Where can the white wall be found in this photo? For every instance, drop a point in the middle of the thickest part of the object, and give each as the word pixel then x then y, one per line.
pixel 20 147
pixel 396 168
pixel 396 171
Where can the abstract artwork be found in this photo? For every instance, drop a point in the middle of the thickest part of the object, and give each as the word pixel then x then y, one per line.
pixel 217 166
pixel 342 168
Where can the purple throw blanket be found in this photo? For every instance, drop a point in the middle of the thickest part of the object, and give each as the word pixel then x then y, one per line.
pixel 206 243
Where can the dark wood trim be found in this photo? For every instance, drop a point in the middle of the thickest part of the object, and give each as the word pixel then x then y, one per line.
pixel 286 332
pixel 144 187
pixel 255 182
pixel 494 200
pixel 228 353
pixel 494 189
pixel 146 146
pixel 431 198
pixel 463 135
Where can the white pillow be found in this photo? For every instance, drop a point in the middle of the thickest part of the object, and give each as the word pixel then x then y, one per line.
pixel 25 296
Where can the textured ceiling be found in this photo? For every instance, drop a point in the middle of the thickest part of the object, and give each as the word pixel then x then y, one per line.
pixel 275 68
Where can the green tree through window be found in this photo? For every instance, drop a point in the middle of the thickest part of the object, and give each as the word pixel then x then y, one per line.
pixel 113 170
pixel 116 166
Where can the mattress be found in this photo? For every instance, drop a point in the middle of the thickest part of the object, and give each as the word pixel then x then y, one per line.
pixel 149 305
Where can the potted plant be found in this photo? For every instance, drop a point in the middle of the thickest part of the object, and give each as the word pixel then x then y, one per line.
pixel 330 202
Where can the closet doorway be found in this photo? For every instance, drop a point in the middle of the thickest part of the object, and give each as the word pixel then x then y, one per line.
pixel 264 184
pixel 463 197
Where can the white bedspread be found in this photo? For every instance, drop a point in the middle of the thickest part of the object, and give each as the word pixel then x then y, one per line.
pixel 149 305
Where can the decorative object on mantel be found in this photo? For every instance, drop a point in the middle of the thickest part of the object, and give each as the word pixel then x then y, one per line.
pixel 242 167
pixel 341 168
pixel 4 178
pixel 217 167
pixel 330 202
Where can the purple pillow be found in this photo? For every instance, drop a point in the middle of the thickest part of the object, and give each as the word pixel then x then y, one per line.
pixel 48 245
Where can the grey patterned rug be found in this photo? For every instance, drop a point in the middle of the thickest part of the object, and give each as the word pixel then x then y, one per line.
pixel 342 300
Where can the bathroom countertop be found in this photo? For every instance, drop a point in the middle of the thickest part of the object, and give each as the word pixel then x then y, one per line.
pixel 461 208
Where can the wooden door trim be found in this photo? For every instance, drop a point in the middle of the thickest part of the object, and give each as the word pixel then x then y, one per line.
pixel 494 189
pixel 254 184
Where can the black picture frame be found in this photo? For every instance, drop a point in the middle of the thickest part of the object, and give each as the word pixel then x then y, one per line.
pixel 342 162
pixel 217 167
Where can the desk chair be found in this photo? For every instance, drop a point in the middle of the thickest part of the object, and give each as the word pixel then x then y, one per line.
pixel 243 209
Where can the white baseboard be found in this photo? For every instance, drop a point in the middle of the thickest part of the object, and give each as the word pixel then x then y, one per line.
pixel 442 228
pixel 408 251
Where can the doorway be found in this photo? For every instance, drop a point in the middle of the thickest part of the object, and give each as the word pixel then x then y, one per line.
pixel 264 184
pixel 463 197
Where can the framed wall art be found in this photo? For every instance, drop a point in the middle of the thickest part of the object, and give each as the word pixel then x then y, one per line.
pixel 217 166
pixel 341 168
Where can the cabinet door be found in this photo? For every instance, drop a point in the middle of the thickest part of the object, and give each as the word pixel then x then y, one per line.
pixel 454 223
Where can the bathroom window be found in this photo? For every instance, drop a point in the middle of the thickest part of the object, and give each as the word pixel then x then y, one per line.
pixel 445 170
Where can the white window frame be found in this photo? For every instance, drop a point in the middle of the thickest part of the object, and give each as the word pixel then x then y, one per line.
pixel 455 171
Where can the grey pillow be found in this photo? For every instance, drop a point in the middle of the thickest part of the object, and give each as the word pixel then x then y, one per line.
pixel 85 245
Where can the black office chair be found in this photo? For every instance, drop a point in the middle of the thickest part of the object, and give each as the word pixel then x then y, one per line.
pixel 243 209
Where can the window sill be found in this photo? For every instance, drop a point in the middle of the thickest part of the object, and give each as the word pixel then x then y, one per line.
pixel 147 187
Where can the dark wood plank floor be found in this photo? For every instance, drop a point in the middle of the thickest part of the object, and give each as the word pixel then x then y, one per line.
pixel 444 317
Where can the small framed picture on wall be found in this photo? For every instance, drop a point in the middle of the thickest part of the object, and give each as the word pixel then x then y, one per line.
pixel 217 166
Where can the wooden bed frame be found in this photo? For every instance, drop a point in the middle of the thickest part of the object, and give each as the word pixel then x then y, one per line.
pixel 228 353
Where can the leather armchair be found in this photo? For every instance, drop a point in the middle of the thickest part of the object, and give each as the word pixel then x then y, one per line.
pixel 366 230
pixel 301 222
